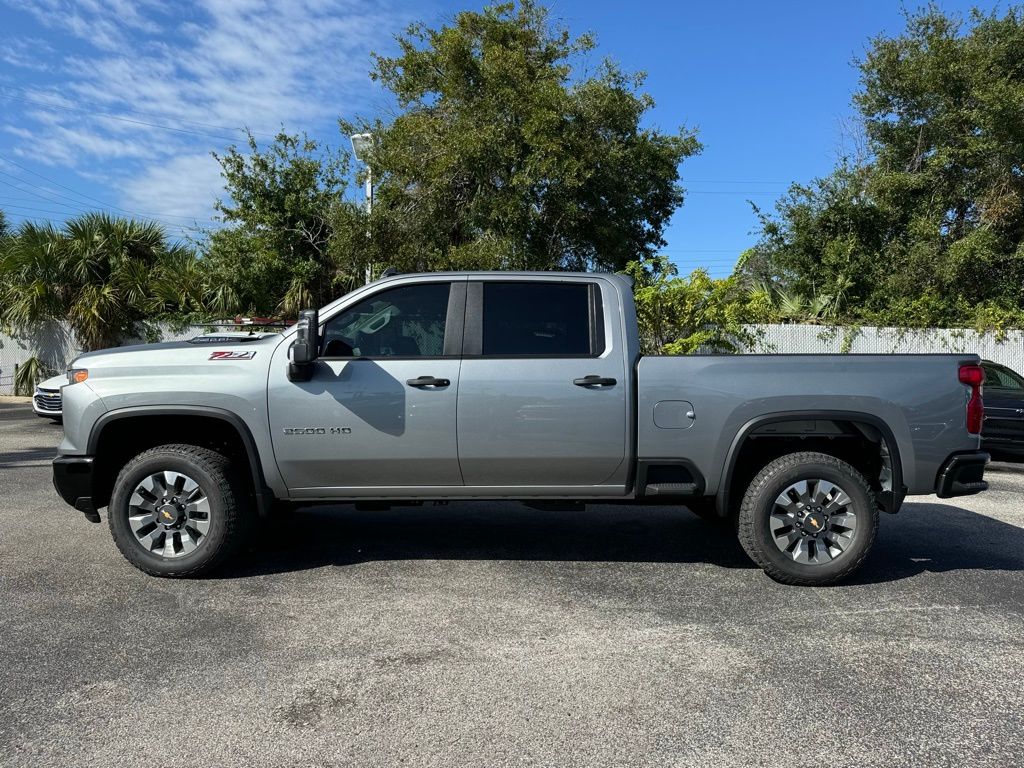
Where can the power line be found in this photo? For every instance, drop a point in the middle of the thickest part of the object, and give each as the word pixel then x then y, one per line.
pixel 175 232
pixel 88 200
pixel 730 181
pixel 727 192
pixel 8 206
pixel 82 108
pixel 704 250
pixel 77 207
pixel 49 181
pixel 112 116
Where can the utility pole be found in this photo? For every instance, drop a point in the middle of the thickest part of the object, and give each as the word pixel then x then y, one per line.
pixel 361 143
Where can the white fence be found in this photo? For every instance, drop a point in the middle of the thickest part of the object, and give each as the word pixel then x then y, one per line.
pixel 55 346
pixel 1007 348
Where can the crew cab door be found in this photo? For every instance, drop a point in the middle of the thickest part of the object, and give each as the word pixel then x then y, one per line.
pixel 378 415
pixel 543 388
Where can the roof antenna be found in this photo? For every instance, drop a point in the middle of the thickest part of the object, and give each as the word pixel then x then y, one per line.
pixel 389 272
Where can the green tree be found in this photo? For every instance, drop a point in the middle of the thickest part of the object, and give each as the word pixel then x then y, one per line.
pixel 505 155
pixel 928 228
pixel 683 315
pixel 107 277
pixel 275 255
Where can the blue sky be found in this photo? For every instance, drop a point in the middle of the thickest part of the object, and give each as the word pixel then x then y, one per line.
pixel 117 104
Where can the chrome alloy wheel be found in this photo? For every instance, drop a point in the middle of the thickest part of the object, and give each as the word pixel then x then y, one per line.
pixel 169 514
pixel 813 522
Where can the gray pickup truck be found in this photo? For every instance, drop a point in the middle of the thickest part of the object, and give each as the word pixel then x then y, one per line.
pixel 523 386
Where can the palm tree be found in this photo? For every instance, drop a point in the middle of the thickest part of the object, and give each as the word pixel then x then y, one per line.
pixel 105 275
pixel 30 285
pixel 814 309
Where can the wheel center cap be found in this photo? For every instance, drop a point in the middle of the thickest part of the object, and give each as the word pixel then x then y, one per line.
pixel 814 523
pixel 168 514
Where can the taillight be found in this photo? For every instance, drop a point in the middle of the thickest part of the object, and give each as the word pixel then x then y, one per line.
pixel 973 375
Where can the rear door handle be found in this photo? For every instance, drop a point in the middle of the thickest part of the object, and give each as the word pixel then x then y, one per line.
pixel 594 381
pixel 427 381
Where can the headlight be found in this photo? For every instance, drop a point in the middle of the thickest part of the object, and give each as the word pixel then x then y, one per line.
pixel 77 375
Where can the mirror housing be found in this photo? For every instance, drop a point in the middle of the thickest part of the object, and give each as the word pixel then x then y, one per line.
pixel 306 347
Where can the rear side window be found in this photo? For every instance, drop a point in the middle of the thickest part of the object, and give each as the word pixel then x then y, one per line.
pixel 541 320
pixel 1000 378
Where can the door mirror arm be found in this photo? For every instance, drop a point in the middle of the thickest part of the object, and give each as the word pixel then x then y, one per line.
pixel 306 347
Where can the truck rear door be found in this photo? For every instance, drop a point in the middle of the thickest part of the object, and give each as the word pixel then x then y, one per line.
pixel 543 389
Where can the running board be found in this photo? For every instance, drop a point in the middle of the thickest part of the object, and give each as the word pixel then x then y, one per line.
pixel 670 489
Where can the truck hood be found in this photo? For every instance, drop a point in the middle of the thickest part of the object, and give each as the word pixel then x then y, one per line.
pixel 180 354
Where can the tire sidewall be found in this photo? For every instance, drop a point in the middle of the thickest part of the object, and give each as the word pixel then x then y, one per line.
pixel 118 510
pixel 863 507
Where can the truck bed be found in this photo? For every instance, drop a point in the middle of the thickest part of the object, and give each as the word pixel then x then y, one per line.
pixel 729 395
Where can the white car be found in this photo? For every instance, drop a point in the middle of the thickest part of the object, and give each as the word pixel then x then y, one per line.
pixel 46 401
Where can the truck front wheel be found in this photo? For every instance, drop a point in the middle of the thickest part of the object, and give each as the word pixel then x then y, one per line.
pixel 177 510
pixel 808 519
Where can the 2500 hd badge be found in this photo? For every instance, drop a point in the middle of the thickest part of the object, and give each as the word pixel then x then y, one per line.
pixel 317 430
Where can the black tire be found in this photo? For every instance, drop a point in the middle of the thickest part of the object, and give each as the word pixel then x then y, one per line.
pixel 229 514
pixel 754 525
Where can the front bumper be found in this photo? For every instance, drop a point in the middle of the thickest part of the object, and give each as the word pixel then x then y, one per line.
pixel 47 403
pixel 73 479
pixel 962 475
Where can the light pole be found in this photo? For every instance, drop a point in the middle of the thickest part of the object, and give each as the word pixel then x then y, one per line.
pixel 361 143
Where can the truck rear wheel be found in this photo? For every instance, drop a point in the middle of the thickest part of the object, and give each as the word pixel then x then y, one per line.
pixel 177 510
pixel 808 519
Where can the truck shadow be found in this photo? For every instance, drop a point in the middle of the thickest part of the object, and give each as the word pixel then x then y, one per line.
pixel 937 538
pixel 929 537
pixel 342 535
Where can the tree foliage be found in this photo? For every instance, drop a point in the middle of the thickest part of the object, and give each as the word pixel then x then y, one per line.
pixel 683 315
pixel 106 276
pixel 28 375
pixel 276 254
pixel 506 156
pixel 928 228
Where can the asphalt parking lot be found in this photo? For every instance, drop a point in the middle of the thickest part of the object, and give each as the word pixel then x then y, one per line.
pixel 492 634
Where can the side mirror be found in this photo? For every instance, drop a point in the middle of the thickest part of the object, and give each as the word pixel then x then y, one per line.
pixel 306 347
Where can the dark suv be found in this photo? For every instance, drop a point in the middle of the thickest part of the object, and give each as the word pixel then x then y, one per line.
pixel 1003 433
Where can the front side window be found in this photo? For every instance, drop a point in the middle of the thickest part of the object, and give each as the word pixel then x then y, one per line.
pixel 400 322
pixel 539 319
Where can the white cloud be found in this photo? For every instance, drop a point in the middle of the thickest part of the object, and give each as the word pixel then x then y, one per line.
pixel 26 53
pixel 169 190
pixel 105 24
pixel 202 70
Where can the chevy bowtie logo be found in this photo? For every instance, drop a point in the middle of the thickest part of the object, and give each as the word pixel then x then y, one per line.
pixel 814 522
pixel 167 514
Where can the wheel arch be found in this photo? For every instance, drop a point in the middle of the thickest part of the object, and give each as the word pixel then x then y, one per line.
pixel 889 500
pixel 178 416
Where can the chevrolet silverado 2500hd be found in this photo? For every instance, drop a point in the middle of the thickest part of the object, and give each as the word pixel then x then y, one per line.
pixel 523 386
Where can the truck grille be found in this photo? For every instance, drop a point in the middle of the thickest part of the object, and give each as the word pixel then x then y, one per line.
pixel 47 400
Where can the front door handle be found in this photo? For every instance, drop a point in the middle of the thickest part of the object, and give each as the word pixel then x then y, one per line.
pixel 594 381
pixel 427 381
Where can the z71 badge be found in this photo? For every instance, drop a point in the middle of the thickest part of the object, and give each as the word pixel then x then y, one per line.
pixel 249 355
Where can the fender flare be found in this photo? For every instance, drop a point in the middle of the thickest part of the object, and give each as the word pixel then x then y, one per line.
pixel 264 496
pixel 890 501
